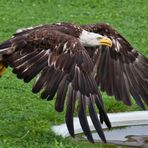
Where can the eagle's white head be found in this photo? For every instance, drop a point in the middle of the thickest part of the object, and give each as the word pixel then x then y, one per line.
pixel 90 39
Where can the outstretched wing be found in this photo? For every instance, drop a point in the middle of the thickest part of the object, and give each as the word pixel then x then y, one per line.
pixel 63 68
pixel 120 70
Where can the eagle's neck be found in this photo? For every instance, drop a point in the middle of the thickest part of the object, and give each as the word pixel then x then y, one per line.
pixel 89 39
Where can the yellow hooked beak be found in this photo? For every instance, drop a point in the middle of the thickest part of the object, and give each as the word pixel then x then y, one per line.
pixel 105 41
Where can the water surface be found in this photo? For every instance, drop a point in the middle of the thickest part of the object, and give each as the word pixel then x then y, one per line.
pixel 136 136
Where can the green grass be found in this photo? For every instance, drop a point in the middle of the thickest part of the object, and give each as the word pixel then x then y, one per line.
pixel 25 120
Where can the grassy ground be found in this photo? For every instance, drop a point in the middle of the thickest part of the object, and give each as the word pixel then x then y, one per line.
pixel 25 120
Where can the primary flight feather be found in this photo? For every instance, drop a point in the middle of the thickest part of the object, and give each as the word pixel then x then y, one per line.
pixel 71 61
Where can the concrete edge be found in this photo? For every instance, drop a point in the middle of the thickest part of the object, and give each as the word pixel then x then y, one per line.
pixel 117 119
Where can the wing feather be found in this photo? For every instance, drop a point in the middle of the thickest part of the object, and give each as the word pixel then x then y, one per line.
pixel 83 118
pixel 120 70
pixel 95 120
pixel 64 70
pixel 61 94
pixel 70 107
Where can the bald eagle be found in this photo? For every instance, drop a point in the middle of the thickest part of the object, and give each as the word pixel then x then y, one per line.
pixel 70 62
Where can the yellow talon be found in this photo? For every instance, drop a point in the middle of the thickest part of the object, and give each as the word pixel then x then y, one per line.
pixel 2 68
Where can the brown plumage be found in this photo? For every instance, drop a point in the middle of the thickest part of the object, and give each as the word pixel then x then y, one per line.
pixel 65 57
pixel 121 70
